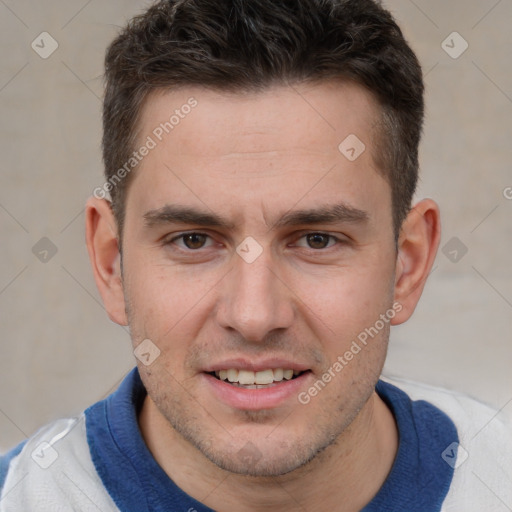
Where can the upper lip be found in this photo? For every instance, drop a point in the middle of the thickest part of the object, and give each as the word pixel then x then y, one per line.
pixel 256 366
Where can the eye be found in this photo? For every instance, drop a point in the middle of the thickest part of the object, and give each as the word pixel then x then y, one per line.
pixel 317 241
pixel 192 241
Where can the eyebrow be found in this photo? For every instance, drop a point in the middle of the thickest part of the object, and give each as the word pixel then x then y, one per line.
pixel 327 214
pixel 175 214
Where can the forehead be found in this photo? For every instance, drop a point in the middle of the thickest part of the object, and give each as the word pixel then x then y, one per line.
pixel 279 113
pixel 247 148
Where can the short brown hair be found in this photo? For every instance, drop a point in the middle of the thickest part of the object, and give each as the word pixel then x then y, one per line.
pixel 244 45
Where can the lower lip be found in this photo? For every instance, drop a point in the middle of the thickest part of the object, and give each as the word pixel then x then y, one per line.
pixel 256 399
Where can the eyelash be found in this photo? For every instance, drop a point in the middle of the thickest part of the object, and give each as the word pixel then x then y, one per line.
pixel 337 241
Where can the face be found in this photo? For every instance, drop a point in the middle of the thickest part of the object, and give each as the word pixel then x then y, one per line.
pixel 255 251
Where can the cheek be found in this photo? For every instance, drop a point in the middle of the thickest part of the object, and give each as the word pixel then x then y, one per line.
pixel 164 300
pixel 347 300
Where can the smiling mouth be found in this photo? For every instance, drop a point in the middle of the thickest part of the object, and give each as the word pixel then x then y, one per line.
pixel 256 380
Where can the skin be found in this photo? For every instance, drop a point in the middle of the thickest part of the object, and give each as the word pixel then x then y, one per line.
pixel 252 158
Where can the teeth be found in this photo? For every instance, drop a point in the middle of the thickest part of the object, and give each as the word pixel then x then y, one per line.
pixel 288 374
pixel 278 374
pixel 232 375
pixel 263 377
pixel 249 378
pixel 245 377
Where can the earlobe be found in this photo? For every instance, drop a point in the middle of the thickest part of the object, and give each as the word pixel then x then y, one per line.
pixel 102 245
pixel 417 248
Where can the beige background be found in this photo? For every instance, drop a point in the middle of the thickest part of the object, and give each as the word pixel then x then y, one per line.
pixel 59 351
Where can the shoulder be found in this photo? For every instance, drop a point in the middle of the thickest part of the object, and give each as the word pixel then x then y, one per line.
pixel 53 471
pixel 482 458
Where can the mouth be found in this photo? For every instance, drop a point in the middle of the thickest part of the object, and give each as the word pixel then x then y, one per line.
pixel 249 390
pixel 262 379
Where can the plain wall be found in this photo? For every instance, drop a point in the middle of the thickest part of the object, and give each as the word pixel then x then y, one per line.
pixel 59 351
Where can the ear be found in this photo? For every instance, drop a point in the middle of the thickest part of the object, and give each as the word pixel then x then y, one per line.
pixel 102 244
pixel 417 248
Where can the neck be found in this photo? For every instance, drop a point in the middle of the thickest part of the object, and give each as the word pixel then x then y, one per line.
pixel 344 477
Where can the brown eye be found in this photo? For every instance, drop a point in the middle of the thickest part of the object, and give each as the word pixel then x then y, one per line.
pixel 318 240
pixel 194 240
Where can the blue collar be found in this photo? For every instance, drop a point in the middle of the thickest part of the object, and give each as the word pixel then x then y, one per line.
pixel 419 479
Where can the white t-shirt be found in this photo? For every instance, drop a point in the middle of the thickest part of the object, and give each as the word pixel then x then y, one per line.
pixel 455 455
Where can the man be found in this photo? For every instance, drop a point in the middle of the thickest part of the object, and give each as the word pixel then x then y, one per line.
pixel 259 241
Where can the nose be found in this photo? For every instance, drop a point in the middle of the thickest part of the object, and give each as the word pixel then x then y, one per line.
pixel 255 300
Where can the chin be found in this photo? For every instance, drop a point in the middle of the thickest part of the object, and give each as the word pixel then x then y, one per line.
pixel 251 461
pixel 275 455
